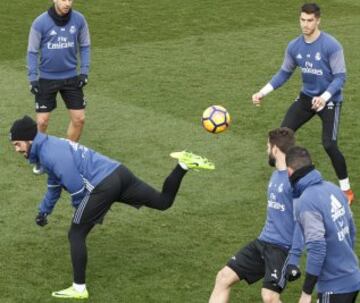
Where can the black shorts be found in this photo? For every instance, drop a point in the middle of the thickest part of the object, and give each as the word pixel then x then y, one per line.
pixel 71 93
pixel 259 260
pixel 337 298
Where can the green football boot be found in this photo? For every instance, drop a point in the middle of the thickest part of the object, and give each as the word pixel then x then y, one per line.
pixel 71 293
pixel 193 161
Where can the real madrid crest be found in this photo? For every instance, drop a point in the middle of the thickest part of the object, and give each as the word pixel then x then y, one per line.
pixel 72 29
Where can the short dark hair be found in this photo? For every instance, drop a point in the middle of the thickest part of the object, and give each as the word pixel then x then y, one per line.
pixel 298 157
pixel 311 8
pixel 282 137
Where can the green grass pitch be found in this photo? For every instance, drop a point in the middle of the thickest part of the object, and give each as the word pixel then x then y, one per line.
pixel 156 65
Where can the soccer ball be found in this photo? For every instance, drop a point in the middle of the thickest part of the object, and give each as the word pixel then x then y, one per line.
pixel 215 119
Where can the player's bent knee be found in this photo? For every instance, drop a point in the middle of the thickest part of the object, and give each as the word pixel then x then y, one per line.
pixel 78 120
pixel 269 296
pixel 163 206
pixel 226 277
pixel 161 203
pixel 42 123
pixel 77 117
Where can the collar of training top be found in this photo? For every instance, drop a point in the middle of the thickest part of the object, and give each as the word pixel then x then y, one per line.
pixel 59 20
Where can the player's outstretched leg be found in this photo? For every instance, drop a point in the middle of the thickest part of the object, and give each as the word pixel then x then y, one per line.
pixel 189 160
pixel 141 193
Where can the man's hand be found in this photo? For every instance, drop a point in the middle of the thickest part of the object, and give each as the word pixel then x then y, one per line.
pixel 292 272
pixel 82 80
pixel 257 97
pixel 41 219
pixel 35 87
pixel 305 298
pixel 318 103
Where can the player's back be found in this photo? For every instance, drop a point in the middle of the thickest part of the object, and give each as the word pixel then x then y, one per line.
pixel 327 203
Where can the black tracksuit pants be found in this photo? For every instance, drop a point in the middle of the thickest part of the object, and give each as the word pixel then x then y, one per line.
pixel 120 186
pixel 300 112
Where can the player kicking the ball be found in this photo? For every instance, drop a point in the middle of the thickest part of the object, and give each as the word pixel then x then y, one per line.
pixel 94 182
pixel 265 257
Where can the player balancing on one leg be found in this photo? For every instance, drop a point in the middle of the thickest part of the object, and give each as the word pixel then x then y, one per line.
pixel 94 182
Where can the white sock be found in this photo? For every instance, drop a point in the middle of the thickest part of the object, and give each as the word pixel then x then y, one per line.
pixel 183 166
pixel 79 287
pixel 344 184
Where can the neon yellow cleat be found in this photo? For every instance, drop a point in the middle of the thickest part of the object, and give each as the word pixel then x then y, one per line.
pixel 71 293
pixel 193 161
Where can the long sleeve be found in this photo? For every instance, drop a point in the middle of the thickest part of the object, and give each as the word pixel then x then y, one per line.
pixel 32 54
pixel 338 69
pixel 314 237
pixel 84 42
pixel 285 71
pixel 52 195
pixel 297 246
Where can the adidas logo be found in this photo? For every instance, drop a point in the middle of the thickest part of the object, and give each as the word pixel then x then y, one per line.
pixel 337 210
pixel 330 105
pixel 43 107
pixel 298 56
pixel 53 33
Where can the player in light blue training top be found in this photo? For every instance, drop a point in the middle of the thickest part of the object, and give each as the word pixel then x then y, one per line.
pixel 326 222
pixel 266 256
pixel 55 40
pixel 94 182
pixel 320 58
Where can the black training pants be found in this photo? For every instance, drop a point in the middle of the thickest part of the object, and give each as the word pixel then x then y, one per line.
pixel 121 186
pixel 338 298
pixel 300 112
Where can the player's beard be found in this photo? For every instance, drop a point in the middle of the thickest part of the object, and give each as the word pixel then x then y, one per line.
pixel 272 160
pixel 27 153
pixel 308 32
